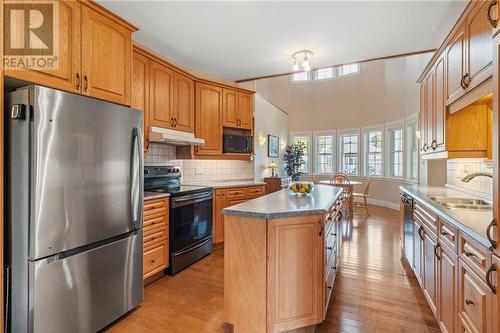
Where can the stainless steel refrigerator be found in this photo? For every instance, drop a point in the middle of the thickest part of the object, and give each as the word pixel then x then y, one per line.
pixel 74 207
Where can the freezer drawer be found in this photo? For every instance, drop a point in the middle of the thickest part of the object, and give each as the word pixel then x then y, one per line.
pixel 87 291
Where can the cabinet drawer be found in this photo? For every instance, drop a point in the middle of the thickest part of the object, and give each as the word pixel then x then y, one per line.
pixel 155 260
pixel 158 235
pixel 235 193
pixel 152 221
pixel 329 283
pixel 448 234
pixel 255 191
pixel 427 217
pixel 474 255
pixel 475 302
pixel 155 206
pixel 330 249
pixel 235 202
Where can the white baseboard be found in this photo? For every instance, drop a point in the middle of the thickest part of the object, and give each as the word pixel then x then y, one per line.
pixel 383 203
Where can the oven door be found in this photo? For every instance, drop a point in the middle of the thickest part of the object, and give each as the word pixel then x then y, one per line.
pixel 190 219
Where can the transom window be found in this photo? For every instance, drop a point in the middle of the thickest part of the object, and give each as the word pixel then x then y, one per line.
pixel 326 73
pixel 301 76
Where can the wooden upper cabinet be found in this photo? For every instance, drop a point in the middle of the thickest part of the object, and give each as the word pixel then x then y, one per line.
pixel 245 107
pixel 68 74
pixel 208 117
pixel 455 56
pixel 161 102
pixel 183 110
pixel 230 109
pixel 479 47
pixel 423 117
pixel 106 57
pixel 439 126
pixel 140 90
pixel 431 111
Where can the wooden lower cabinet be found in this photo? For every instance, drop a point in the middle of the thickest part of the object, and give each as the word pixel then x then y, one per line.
pixel 431 269
pixel 418 246
pixel 447 289
pixel 226 197
pixel 494 280
pixel 475 302
pixel 156 224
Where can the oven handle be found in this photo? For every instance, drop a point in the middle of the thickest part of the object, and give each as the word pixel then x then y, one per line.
pixel 179 202
pixel 192 247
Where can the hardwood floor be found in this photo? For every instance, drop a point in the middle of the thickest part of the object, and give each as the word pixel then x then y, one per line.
pixel 373 292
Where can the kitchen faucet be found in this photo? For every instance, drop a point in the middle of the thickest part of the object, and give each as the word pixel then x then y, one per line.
pixel 473 175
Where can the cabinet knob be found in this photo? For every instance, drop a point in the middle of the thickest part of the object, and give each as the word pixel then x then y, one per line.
pixel 330 287
pixel 329 248
pixel 85 83
pixel 468 302
pixel 469 254
pixel 77 81
pixel 153 261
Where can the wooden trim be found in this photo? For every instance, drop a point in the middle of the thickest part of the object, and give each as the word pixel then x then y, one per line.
pixel 157 57
pixel 1 176
pixel 477 93
pixel 346 63
pixel 98 8
pixel 443 46
pixel 277 107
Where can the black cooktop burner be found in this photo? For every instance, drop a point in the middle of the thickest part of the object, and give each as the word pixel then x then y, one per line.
pixel 179 190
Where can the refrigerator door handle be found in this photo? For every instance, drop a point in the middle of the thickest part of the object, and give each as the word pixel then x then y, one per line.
pixel 135 179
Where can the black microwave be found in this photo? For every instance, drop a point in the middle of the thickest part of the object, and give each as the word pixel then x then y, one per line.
pixel 237 143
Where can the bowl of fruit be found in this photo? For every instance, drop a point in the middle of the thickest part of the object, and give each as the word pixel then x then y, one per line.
pixel 302 188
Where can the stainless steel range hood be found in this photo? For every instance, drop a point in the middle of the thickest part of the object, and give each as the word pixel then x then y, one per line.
pixel 172 137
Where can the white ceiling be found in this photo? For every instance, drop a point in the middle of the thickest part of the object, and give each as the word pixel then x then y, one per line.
pixel 243 39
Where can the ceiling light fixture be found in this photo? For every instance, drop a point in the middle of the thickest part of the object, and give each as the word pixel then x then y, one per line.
pixel 306 60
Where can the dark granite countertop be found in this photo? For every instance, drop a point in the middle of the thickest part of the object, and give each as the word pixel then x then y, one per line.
pixel 471 222
pixel 284 203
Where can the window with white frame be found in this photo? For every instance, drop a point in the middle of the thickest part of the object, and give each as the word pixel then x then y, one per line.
pixel 349 152
pixel 337 71
pixel 412 149
pixel 324 152
pixel 304 138
pixel 373 160
pixel 395 138
pixel 301 76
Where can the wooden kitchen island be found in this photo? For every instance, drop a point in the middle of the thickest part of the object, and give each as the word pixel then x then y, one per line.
pixel 280 260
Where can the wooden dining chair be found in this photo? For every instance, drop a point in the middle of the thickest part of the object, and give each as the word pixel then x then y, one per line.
pixel 315 179
pixel 343 181
pixel 360 200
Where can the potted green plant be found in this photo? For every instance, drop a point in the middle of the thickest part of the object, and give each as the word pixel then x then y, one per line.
pixel 293 159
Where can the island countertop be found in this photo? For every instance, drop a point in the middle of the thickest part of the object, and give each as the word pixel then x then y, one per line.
pixel 284 203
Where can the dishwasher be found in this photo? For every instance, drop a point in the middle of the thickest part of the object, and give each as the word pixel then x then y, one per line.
pixel 408 227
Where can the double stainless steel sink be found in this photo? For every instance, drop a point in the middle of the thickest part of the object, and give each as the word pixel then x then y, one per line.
pixel 462 203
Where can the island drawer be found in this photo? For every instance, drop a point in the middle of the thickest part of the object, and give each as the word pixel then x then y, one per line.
pixel 329 284
pixel 448 234
pixel 474 255
pixel 427 217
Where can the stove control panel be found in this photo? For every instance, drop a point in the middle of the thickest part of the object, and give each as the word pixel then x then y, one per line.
pixel 162 171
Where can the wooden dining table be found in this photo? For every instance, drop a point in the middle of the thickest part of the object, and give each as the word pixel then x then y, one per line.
pixel 349 186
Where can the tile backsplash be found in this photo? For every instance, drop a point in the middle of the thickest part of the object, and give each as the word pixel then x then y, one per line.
pixel 458 168
pixel 199 170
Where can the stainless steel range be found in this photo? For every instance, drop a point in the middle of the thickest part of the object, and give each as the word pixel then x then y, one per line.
pixel 190 216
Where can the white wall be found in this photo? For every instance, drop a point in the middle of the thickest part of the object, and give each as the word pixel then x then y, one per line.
pixel 268 120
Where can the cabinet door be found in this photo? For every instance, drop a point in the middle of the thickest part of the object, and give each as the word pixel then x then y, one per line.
pixel 494 280
pixel 230 108
pixel 65 77
pixel 475 302
pixel 106 58
pixel 455 55
pixel 295 267
pixel 218 227
pixel 161 93
pixel 430 279
pixel 423 118
pixel 439 128
pixel 183 103
pixel 448 290
pixel 417 252
pixel 245 102
pixel 208 118
pixel 140 91
pixel 479 51
pixel 431 111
